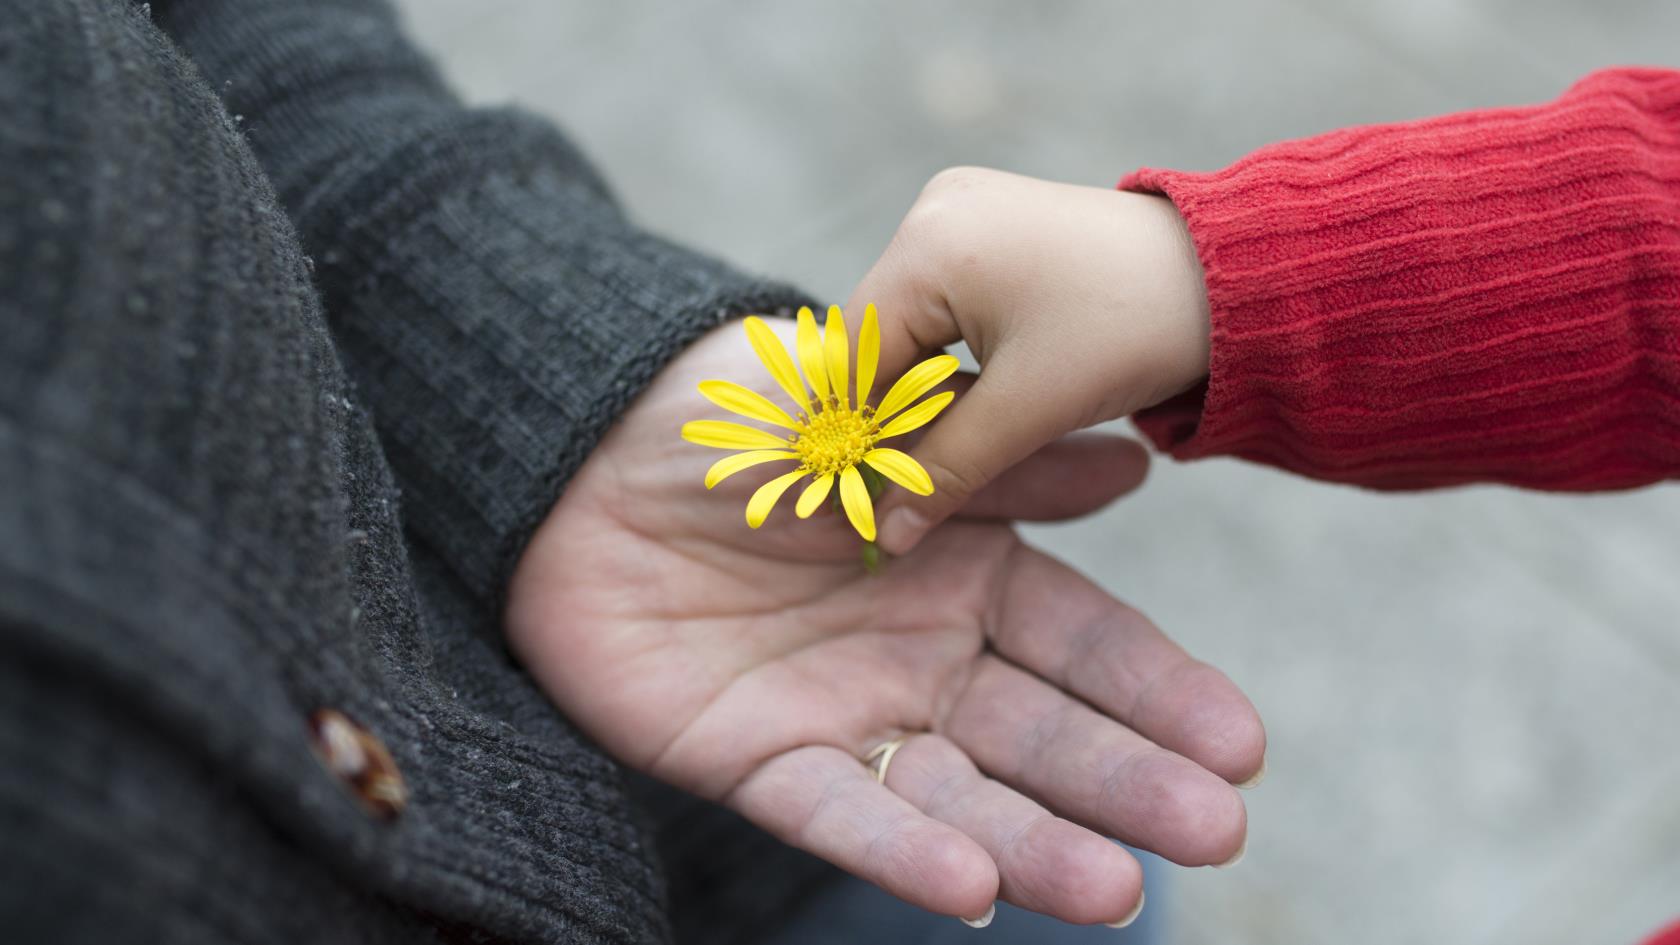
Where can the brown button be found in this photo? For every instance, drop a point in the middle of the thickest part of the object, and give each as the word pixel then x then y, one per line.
pixel 360 760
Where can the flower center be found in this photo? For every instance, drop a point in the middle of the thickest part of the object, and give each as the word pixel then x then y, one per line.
pixel 835 438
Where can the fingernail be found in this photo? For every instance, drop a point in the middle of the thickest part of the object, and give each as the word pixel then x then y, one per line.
pixel 1236 858
pixel 1257 777
pixel 1131 916
pixel 984 920
pixel 902 527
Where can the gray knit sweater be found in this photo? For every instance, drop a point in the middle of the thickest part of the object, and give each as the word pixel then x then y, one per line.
pixel 297 352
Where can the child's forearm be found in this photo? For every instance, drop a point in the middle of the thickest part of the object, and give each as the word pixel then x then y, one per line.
pixel 1493 296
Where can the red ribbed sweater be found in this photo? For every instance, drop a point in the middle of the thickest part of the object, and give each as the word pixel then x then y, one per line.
pixel 1489 296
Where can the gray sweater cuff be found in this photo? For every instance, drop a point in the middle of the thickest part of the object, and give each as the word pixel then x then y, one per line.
pixel 493 305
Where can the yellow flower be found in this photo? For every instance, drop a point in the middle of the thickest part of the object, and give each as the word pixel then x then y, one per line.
pixel 828 436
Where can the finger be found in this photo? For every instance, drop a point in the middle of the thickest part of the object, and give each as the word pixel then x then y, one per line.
pixel 962 453
pixel 1001 420
pixel 1053 621
pixel 914 316
pixel 1073 476
pixel 1044 863
pixel 1093 770
pixel 1066 478
pixel 915 321
pixel 824 801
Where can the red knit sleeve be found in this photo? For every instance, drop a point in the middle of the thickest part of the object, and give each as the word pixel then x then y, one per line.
pixel 1490 296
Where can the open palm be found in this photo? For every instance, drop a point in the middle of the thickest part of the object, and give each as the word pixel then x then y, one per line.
pixel 756 668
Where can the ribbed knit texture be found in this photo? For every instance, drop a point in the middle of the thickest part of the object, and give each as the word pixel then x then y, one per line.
pixel 226 505
pixel 476 273
pixel 1489 296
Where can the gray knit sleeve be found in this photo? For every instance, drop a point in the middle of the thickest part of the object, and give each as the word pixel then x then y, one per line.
pixel 492 303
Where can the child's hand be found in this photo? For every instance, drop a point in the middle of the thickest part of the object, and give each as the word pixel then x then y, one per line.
pixel 1083 304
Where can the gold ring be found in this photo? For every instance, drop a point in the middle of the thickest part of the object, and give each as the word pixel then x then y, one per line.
pixel 882 755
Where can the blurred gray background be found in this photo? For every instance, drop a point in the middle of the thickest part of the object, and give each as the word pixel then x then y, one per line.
pixel 1473 696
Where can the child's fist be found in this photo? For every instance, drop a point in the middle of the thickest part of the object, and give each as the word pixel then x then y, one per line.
pixel 1083 304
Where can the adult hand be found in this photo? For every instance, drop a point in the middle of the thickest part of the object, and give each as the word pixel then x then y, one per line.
pixel 1083 304
pixel 756 668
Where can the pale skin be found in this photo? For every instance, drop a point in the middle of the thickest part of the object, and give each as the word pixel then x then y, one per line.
pixel 1083 304
pixel 756 668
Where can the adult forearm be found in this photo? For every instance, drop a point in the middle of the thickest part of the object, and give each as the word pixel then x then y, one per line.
pixel 494 305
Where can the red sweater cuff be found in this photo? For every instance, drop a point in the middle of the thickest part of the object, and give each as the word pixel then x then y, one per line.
pixel 1490 296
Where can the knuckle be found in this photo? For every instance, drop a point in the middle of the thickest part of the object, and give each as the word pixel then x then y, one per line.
pixel 1022 837
pixel 940 244
pixel 956 180
pixel 946 201
pixel 957 478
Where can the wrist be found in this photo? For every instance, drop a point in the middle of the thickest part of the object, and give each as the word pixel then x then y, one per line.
pixel 1169 300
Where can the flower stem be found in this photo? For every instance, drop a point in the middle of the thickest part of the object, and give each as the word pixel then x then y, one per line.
pixel 872 480
pixel 874 559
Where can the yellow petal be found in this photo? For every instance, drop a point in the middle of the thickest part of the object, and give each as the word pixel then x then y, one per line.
pixel 811 354
pixel 901 468
pixel 758 507
pixel 916 382
pixel 869 353
pixel 917 415
pixel 836 352
pixel 730 465
pixel 854 495
pixel 814 495
pixel 775 357
pixel 747 403
pixel 731 436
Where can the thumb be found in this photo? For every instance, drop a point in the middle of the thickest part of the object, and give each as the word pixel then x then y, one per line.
pixel 989 429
